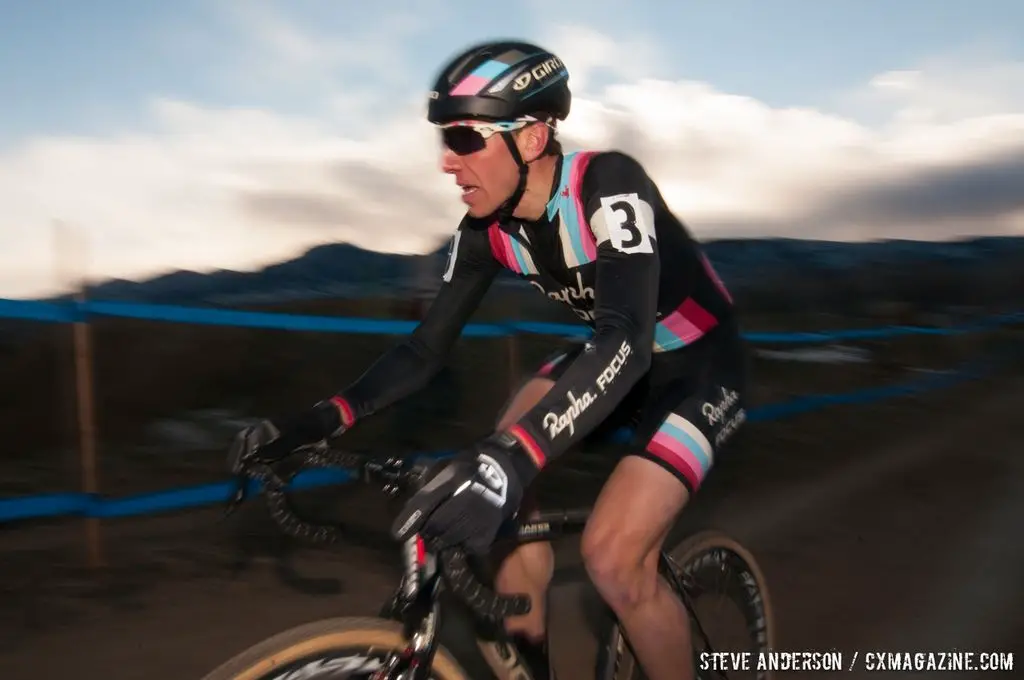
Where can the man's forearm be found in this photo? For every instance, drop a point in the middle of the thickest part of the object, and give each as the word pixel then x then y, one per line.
pixel 402 371
pixel 584 396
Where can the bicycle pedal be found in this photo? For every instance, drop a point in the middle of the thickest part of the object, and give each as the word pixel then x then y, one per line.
pixel 235 500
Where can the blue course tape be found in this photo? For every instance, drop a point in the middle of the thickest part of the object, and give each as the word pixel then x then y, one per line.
pixel 72 311
pixel 52 505
pixel 91 505
pixel 41 311
pixel 88 505
pixel 883 332
pixel 232 317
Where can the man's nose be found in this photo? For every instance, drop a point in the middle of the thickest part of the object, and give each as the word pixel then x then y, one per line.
pixel 450 162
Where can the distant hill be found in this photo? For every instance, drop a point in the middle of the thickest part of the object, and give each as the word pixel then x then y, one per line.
pixel 342 270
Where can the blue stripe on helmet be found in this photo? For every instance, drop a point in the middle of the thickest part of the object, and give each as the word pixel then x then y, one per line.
pixel 490 69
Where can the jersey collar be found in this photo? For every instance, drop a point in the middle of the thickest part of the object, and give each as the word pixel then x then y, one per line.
pixel 556 183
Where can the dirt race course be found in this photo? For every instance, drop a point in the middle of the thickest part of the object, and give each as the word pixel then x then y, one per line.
pixel 893 526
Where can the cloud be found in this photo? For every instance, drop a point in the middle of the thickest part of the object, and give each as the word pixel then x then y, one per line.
pixel 928 153
pixel 978 189
pixel 344 204
pixel 962 84
pixel 593 56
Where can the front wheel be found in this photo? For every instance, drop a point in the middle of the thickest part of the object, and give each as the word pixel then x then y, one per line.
pixel 333 649
pixel 724 588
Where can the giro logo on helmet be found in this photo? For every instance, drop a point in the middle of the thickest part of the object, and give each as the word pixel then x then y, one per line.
pixel 538 73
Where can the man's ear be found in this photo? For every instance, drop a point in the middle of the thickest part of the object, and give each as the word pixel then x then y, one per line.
pixel 532 140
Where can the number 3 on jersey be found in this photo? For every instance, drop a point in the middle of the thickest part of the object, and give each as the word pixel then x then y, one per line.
pixel 629 221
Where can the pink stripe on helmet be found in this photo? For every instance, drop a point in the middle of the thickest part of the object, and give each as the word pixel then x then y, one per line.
pixel 469 85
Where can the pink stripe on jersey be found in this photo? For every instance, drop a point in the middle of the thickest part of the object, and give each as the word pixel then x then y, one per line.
pixel 576 173
pixel 681 327
pixel 550 366
pixel 698 316
pixel 689 322
pixel 501 248
pixel 677 456
pixel 714 277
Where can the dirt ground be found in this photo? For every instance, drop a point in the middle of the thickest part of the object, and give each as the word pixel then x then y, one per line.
pixel 887 527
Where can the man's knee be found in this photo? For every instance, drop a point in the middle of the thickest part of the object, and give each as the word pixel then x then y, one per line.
pixel 622 541
pixel 622 570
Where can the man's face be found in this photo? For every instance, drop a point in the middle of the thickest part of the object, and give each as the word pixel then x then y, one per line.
pixel 483 168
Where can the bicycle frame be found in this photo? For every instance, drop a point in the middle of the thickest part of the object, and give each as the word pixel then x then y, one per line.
pixel 416 603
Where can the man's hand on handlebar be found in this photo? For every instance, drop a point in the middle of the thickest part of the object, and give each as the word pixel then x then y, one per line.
pixel 248 445
pixel 464 500
pixel 269 441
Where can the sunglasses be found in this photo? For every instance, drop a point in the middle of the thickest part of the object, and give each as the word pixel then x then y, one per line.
pixel 466 137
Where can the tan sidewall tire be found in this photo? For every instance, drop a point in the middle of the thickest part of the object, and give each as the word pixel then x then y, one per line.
pixel 325 636
pixel 713 538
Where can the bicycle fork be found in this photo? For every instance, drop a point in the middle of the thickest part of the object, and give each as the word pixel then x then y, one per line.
pixel 417 605
pixel 418 608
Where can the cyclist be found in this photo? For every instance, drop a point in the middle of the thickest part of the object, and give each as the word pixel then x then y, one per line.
pixel 591 230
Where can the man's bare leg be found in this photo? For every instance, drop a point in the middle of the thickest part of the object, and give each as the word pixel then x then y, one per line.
pixel 529 567
pixel 632 516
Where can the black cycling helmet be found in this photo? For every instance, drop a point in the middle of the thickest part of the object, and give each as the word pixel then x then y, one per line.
pixel 502 81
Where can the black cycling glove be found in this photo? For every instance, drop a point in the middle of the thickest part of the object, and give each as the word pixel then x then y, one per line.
pixel 466 499
pixel 269 441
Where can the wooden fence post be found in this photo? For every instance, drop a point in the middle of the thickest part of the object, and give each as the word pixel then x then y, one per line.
pixel 72 258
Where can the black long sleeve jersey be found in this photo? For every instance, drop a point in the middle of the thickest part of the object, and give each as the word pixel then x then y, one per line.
pixel 610 249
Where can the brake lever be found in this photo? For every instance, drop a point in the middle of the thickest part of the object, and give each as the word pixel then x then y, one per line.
pixel 243 478
pixel 238 496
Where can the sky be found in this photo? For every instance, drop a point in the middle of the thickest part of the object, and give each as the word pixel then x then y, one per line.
pixel 206 134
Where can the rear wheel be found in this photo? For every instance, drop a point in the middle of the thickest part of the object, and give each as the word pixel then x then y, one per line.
pixel 730 610
pixel 332 649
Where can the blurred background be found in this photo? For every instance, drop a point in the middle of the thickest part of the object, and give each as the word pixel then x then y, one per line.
pixel 853 173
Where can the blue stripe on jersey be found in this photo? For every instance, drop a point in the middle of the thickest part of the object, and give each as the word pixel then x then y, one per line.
pixel 571 222
pixel 517 250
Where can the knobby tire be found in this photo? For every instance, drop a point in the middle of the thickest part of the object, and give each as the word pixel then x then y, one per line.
pixel 324 639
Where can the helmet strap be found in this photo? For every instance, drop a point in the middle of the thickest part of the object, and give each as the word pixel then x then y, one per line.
pixel 509 206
